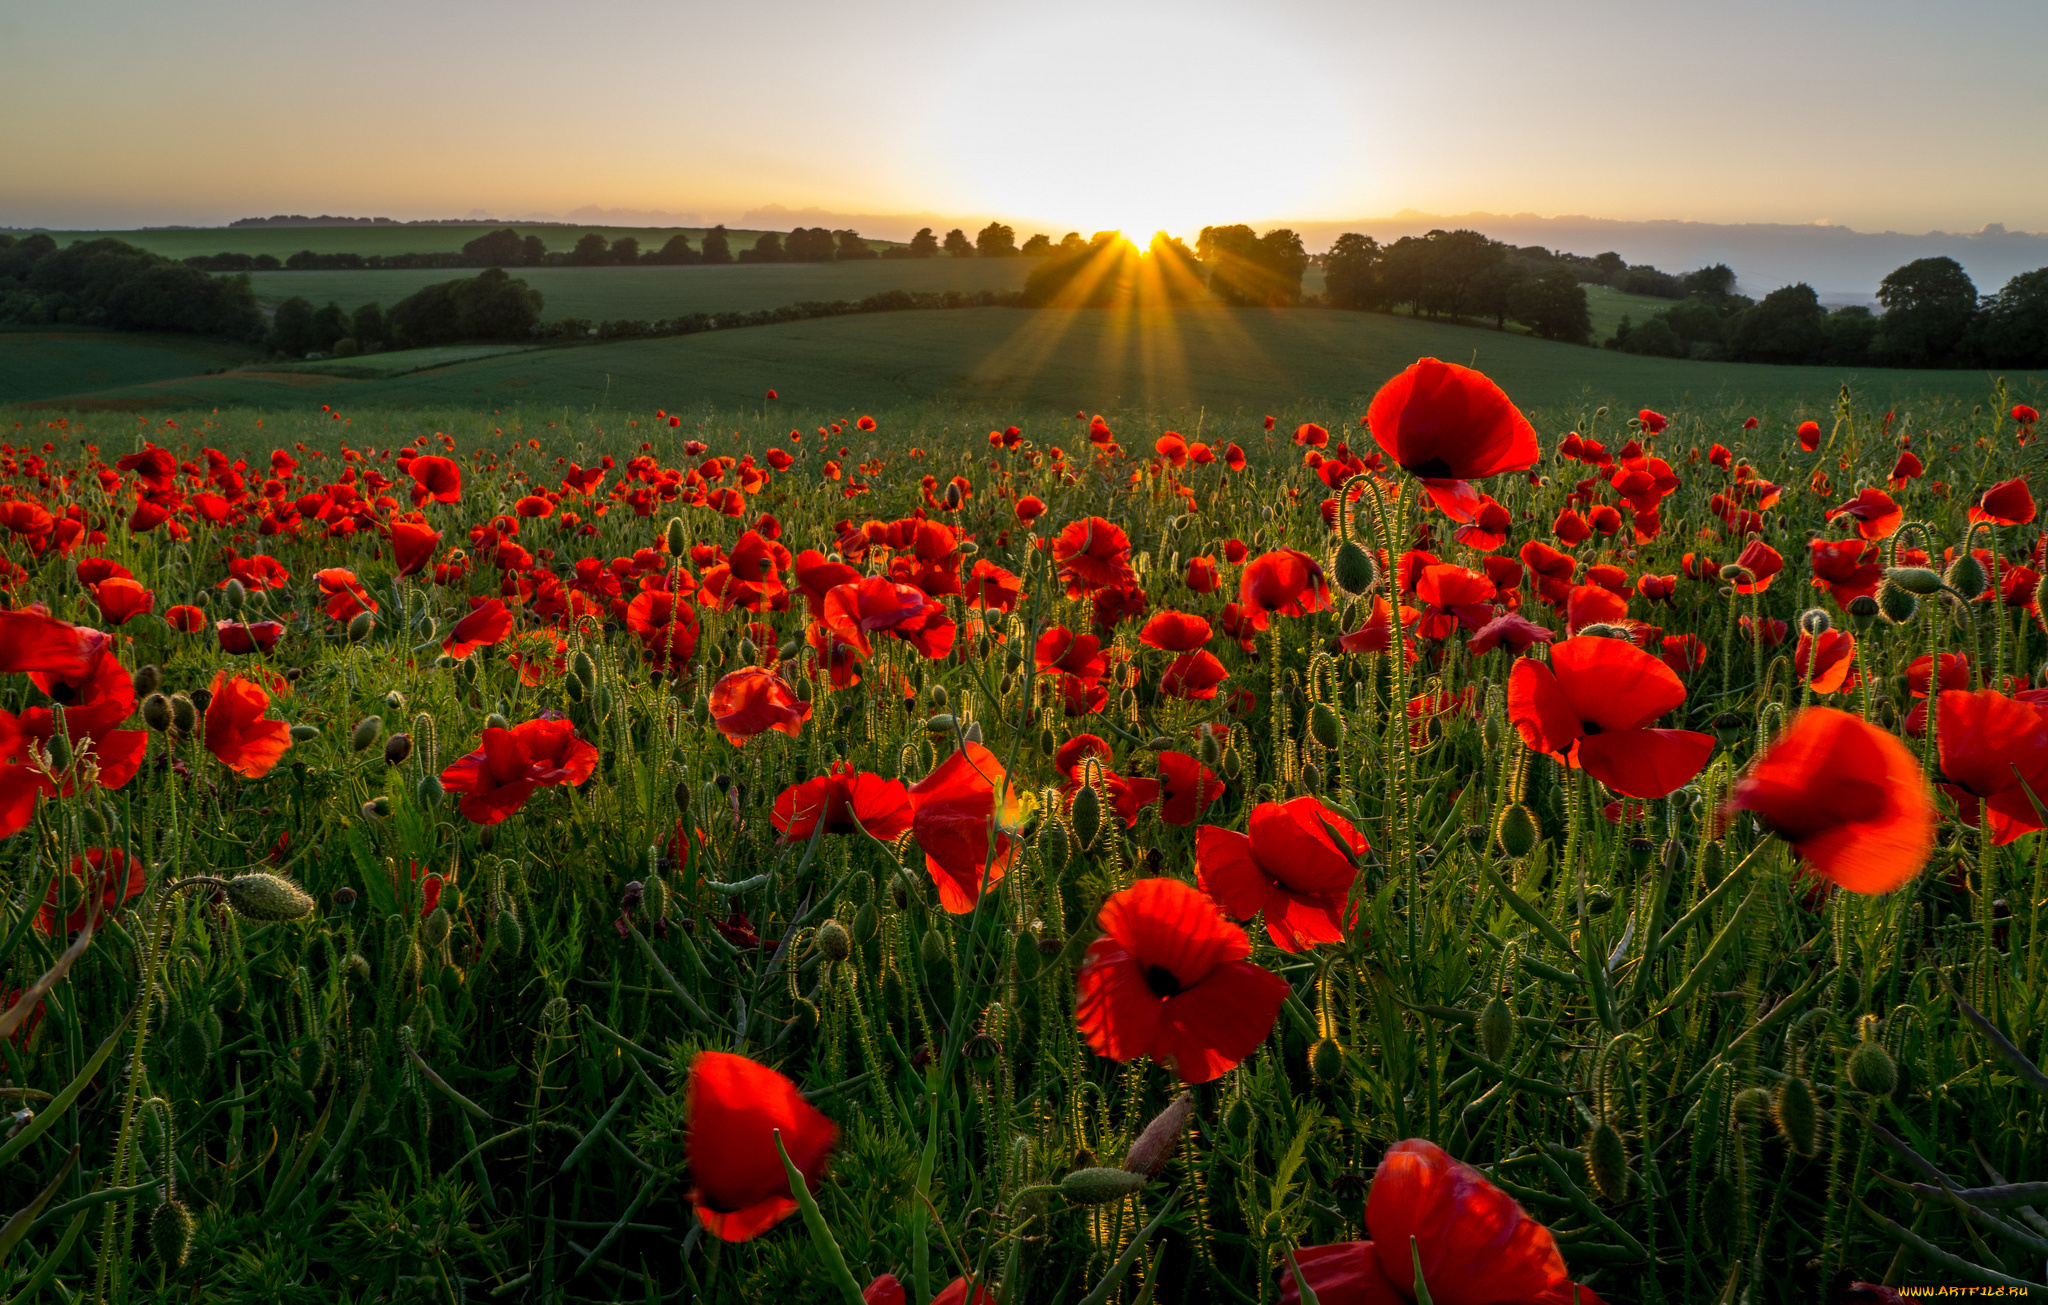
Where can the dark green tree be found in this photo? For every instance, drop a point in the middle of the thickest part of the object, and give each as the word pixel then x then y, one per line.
pixel 498 249
pixel 851 247
pixel 1552 304
pixel 1789 326
pixel 809 245
pixel 368 326
pixel 291 328
pixel 533 251
pixel 1037 247
pixel 329 324
pixel 717 248
pixel 590 251
pixel 1248 269
pixel 675 253
pixel 1850 332
pixel 1713 283
pixel 957 244
pixel 1654 339
pixel 924 244
pixel 625 251
pixel 1928 304
pixel 2014 332
pixel 1495 289
pixel 1351 273
pixel 767 249
pixel 996 241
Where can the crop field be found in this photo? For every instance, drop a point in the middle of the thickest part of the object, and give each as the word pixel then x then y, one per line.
pixel 1449 841
pixel 283 242
pixel 1011 363
pixel 36 364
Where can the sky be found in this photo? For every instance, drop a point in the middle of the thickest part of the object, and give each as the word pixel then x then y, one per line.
pixel 1877 115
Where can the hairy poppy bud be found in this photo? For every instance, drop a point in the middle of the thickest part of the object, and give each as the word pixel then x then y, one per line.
pixel 60 752
pixel 1155 1146
pixel 1713 863
pixel 304 733
pixel 1311 778
pixel 397 748
pixel 170 1234
pixel 184 714
pixel 1798 1116
pixel 1354 569
pixel 366 731
pixel 832 942
pixel 1024 951
pixel 359 629
pixel 511 937
pixel 1815 621
pixel 147 679
pixel 1324 725
pixel 496 721
pixel 1086 814
pixel 429 790
pixel 1871 1069
pixel 377 808
pixel 933 951
pixel 1326 1060
pixel 434 930
pixel 1966 576
pixel 1517 830
pixel 1233 766
pixel 1100 1186
pixel 1607 1162
pixel 156 712
pixel 1238 1120
pixel 1054 848
pixel 234 596
pixel 1673 859
pixel 266 898
pixel 1897 605
pixel 1917 580
pixel 1496 1029
pixel 676 536
pixel 1209 749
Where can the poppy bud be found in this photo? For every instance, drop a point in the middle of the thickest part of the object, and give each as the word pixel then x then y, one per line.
pixel 866 923
pixel 1210 750
pixel 1311 778
pixel 1233 766
pixel 1673 859
pixel 147 679
pixel 1128 700
pixel 156 712
pixel 1896 604
pixel 265 898
pixel 1713 863
pixel 1607 1162
pixel 170 1234
pixel 359 629
pixel 1639 853
pixel 1966 576
pixel 1871 1069
pixel 1913 579
pixel 932 950
pixel 675 536
pixel 1517 831
pixel 832 942
pixel 304 733
pixel 511 937
pixel 1054 849
pixel 1720 1206
pixel 366 732
pixel 937 696
pixel 654 899
pixel 1602 630
pixel 497 721
pixel 359 967
pixel 746 653
pixel 60 752
pixel 1326 1060
pixel 1100 1186
pixel 1354 569
pixel 1237 1121
pixel 428 790
pixel 377 808
pixel 1324 725
pixel 803 1014
pixel 1027 956
pixel 397 748
pixel 1797 1115
pixel 1496 1029
pixel 184 714
pixel 1155 1146
pixel 1086 814
pixel 434 930
pixel 1815 621
pixel 1729 727
pixel 234 596
pixel 1752 1106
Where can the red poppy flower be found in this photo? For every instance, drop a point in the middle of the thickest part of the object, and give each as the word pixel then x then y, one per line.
pixel 1847 568
pixel 1176 632
pixel 1297 864
pixel 117 875
pixel 120 600
pixel 345 595
pixel 1284 582
pixel 846 801
pixel 1876 515
pixel 752 700
pixel 1171 979
pixel 1488 529
pixel 1451 596
pixel 1591 707
pixel 1683 653
pixel 1202 576
pixel 413 545
pixel 886 1290
pixel 239 640
pixel 956 823
pixel 1092 553
pixel 1833 666
pixel 1508 631
pixel 1081 697
pixel 876 604
pixel 499 776
pixel 1571 529
pixel 1186 788
pixel 1762 562
pixel 1848 797
pixel 667 629
pixel 1193 676
pixel 1060 649
pixel 990 586
pixel 37 641
pixel 1908 467
pixel 1593 605
pixel 436 478
pixel 485 625
pixel 816 575
pixel 236 731
pixel 1990 744
pixel 1809 435
pixel 185 618
pixel 1447 425
pixel 740 1186
pixel 1771 632
pixel 1476 1246
pixel 2007 503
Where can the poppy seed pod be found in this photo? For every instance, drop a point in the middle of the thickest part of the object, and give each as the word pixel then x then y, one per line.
pixel 1862 611
pixel 1496 1029
pixel 980 1051
pixel 1155 1146
pixel 1815 621
pixel 832 941
pixel 1097 1186
pixel 1607 1162
pixel 1640 850
pixel 184 714
pixel 266 898
pixel 1354 570
pixel 1517 830
pixel 359 629
pixel 1729 727
pixel 366 732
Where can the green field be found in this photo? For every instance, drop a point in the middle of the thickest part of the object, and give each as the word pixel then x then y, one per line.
pixel 1608 307
pixel 1046 361
pixel 652 293
pixel 39 363
pixel 182 242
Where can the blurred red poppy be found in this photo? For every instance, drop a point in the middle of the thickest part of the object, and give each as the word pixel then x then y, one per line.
pixel 1186 788
pixel 120 600
pixel 1474 1244
pixel 1809 435
pixel 752 700
pixel 185 618
pixel 117 875
pixel 239 640
pixel 1092 553
pixel 1171 979
pixel 1450 597
pixel 413 545
pixel 1592 706
pixel 1193 676
pixel 486 624
pixel 436 478
pixel 1175 632
pixel 739 1185
pixel 1202 576
pixel 1875 513
pixel 1285 582
pixel 1828 662
pixel 845 801
pixel 2007 503
pixel 37 641
pixel 1993 750
pixel 236 731
pixel 1296 864
pixel 496 779
pixel 1848 797
pixel 1447 425
pixel 1763 564
pixel 957 824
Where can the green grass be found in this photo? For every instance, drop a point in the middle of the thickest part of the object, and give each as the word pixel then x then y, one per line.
pixel 37 363
pixel 651 293
pixel 1608 307
pixel 286 241
pixel 1017 361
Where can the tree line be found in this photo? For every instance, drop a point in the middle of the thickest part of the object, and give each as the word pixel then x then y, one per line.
pixel 110 283
pixel 1933 316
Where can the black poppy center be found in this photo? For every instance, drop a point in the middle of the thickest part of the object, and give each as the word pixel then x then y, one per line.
pixel 1589 727
pixel 1163 982
pixel 1436 468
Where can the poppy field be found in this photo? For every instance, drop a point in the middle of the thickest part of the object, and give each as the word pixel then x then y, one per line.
pixel 1455 854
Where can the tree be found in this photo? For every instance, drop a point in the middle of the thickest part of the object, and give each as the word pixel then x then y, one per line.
pixel 625 251
pixel 590 250
pixel 809 245
pixel 1552 304
pixel 1248 269
pixel 489 306
pixel 957 244
pixel 1645 280
pixel 1494 290
pixel 532 251
pixel 1849 331
pixel 1351 272
pixel 2014 332
pixel 1610 265
pixel 717 249
pixel 1653 338
pixel 1439 273
pixel 675 253
pixel 291 328
pixel 767 249
pixel 368 326
pixel 498 249
pixel 1928 304
pixel 1789 326
pixel 329 324
pixel 924 244
pixel 1038 246
pixel 851 247
pixel 1071 242
pixel 1714 283
pixel 996 241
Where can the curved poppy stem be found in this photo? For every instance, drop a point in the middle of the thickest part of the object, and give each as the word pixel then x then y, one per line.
pixel 1401 746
